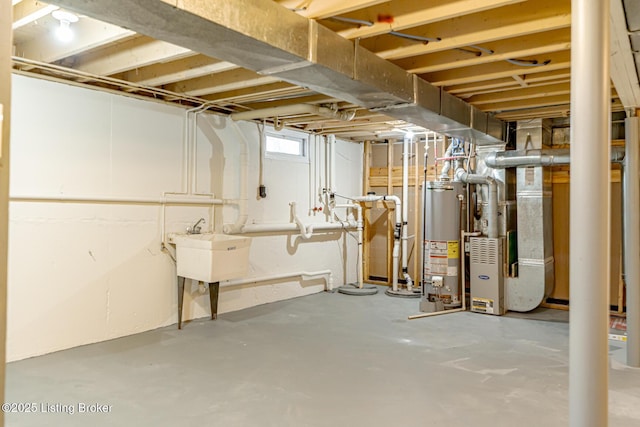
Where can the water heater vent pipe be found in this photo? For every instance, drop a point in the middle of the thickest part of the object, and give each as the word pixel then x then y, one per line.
pixel 492 215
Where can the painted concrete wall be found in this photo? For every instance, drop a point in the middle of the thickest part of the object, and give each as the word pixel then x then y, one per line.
pixel 87 272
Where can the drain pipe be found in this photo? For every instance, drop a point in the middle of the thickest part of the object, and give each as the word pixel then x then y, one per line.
pixel 590 201
pixel 305 275
pixel 242 201
pixel 360 229
pixel 331 148
pixel 396 233
pixel 297 109
pixel 292 227
pixel 492 214
pixel 405 209
pixel 631 236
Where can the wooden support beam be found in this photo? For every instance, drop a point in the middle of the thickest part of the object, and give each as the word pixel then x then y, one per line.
pixel 518 47
pixel 488 34
pixel 525 103
pixel 474 88
pixel 327 8
pixel 520 93
pixel 255 94
pixel 221 82
pixel 409 13
pixel 559 61
pixel 162 72
pixel 129 55
pixel 29 11
pixel 6 45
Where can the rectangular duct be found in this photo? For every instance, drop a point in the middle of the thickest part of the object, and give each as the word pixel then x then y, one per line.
pixel 535 223
pixel 263 36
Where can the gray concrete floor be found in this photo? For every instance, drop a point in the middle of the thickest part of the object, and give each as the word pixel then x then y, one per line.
pixel 322 360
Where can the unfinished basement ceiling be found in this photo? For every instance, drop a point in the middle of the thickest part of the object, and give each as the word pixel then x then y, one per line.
pixel 509 58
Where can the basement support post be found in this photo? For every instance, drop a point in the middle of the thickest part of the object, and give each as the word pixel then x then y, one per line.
pixel 590 214
pixel 6 41
pixel 631 237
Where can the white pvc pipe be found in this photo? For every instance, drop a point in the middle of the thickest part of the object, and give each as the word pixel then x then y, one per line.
pixel 360 228
pixel 303 274
pixel 291 110
pixel 590 202
pixel 123 200
pixel 405 210
pixel 312 167
pixel 631 237
pixel 290 227
pixel 242 202
pixel 397 230
pixel 332 163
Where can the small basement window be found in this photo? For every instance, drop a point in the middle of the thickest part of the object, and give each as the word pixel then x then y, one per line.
pixel 286 147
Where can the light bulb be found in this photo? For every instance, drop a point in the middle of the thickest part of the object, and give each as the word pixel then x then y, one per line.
pixel 64 32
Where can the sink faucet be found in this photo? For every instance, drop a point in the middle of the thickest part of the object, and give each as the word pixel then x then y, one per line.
pixel 195 228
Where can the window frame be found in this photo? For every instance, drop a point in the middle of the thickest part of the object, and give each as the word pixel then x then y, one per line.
pixel 275 155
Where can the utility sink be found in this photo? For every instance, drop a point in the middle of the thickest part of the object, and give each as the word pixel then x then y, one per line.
pixel 211 257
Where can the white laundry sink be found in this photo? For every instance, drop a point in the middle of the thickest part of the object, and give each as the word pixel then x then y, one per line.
pixel 211 257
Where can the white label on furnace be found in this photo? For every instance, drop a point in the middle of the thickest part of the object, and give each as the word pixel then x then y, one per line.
pixel 452 271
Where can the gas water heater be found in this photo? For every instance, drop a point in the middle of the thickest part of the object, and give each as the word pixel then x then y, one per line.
pixel 442 209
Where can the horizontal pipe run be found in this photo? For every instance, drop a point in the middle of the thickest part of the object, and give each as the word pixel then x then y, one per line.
pixel 290 110
pixel 118 200
pixel 292 227
pixel 328 274
pixel 545 157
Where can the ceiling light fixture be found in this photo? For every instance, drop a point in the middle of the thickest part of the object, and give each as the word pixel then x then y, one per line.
pixel 64 31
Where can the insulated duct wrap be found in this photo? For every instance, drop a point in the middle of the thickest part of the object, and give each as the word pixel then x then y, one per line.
pixel 263 36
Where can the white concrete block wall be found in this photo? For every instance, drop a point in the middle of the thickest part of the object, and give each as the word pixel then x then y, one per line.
pixel 82 272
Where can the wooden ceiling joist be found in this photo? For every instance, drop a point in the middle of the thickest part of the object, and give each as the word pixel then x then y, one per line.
pixel 405 14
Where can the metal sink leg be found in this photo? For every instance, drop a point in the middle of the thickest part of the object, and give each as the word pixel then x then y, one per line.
pixel 214 289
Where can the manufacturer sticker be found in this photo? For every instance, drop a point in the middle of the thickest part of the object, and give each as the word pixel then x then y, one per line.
pixel 482 305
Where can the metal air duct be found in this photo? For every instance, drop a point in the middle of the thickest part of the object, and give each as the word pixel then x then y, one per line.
pixel 263 36
pixel 537 157
pixel 535 224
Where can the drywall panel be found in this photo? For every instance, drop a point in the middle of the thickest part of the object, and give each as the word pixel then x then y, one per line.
pixel 87 272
